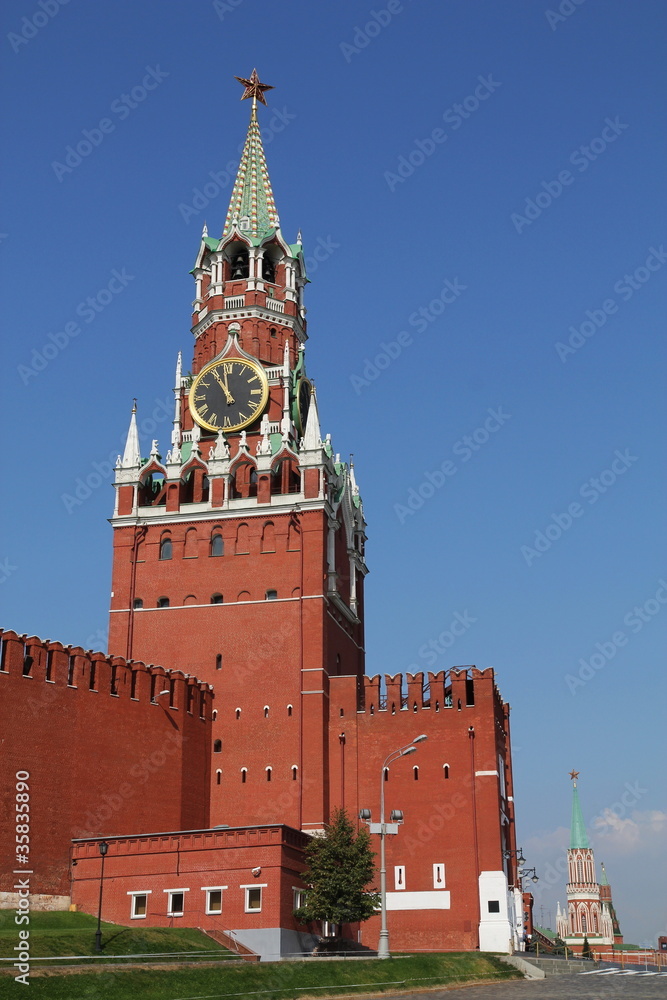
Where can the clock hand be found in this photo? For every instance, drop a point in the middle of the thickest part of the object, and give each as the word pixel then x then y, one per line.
pixel 224 387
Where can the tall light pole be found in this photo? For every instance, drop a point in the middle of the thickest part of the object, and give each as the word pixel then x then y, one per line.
pixel 383 829
pixel 103 848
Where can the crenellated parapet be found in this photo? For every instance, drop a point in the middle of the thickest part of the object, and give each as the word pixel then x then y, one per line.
pixel 454 689
pixel 45 662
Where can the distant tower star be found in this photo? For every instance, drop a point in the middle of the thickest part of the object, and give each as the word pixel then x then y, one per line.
pixel 574 775
pixel 253 88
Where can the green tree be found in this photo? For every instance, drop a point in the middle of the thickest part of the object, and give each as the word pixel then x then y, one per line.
pixel 586 948
pixel 340 867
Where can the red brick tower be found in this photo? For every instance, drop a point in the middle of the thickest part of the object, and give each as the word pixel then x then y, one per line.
pixel 238 556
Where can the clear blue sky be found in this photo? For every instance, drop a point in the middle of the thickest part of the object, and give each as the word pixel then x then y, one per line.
pixel 397 211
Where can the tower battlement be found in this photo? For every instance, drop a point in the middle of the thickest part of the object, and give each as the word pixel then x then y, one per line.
pixel 456 689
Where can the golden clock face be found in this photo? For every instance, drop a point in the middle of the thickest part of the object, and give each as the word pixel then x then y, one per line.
pixel 229 394
pixel 303 390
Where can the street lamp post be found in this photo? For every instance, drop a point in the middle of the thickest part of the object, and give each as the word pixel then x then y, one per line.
pixel 103 848
pixel 384 829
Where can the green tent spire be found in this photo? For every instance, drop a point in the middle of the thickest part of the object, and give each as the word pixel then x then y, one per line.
pixel 603 878
pixel 252 206
pixel 578 836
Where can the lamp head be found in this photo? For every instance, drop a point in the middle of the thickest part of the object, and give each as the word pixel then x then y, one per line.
pixel 420 739
pixel 521 860
pixel 409 751
pixel 365 815
pixel 103 847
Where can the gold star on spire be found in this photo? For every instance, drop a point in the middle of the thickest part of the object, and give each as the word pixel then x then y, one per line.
pixel 574 775
pixel 253 88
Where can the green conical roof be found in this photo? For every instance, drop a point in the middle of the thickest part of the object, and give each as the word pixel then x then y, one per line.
pixel 252 197
pixel 578 836
pixel 603 878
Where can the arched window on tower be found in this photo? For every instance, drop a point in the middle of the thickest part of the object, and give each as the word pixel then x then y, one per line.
pixel 166 547
pixel 268 268
pixel 239 265
pixel 242 541
pixel 244 775
pixel 218 776
pixel 190 548
pixel 217 746
pixel 286 478
pixel 269 772
pixel 415 773
pixel 269 537
pixel 216 599
pixel 445 770
pixel 580 870
pixel 217 544
pixel 584 923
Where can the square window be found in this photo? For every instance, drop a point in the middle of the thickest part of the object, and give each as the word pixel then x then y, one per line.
pixel 214 901
pixel 494 906
pixel 253 900
pixel 176 904
pixel 139 904
pixel 299 898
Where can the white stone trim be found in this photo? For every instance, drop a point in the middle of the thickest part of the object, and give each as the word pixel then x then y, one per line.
pixel 430 899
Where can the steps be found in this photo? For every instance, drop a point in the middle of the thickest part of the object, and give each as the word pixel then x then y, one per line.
pixel 559 966
pixel 229 940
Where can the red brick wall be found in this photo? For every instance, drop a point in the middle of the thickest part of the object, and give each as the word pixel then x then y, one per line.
pixel 99 763
pixel 270 652
pixel 455 821
pixel 194 861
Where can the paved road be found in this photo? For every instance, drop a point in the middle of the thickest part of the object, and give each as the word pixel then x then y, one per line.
pixel 603 985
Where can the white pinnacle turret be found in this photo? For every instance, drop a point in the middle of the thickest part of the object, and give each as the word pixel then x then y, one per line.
pixel 311 436
pixel 176 431
pixel 132 454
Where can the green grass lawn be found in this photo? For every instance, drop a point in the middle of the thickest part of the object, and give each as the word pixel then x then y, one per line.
pixel 64 933
pixel 272 981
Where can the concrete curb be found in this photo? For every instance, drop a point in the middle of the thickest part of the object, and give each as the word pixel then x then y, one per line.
pixel 529 971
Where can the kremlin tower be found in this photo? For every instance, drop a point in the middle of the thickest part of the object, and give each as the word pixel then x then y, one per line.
pixel 590 913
